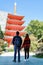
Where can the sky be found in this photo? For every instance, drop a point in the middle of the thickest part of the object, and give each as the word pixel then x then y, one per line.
pixel 31 9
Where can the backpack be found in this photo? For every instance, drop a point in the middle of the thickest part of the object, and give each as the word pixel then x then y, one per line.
pixel 17 41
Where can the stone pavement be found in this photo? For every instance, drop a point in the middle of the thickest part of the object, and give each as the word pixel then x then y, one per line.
pixel 7 60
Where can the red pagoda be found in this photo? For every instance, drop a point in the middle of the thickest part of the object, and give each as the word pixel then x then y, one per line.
pixel 14 23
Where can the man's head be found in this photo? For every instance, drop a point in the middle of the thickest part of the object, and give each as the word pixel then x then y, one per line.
pixel 17 33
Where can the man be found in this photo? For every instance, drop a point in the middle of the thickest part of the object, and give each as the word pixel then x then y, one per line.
pixel 17 41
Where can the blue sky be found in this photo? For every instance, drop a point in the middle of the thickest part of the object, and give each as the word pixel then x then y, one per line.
pixel 31 9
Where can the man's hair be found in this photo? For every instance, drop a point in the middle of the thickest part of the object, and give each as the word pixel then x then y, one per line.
pixel 17 33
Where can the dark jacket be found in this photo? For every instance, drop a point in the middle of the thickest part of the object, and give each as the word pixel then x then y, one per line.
pixel 17 37
pixel 26 43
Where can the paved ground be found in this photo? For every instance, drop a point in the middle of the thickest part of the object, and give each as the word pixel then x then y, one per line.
pixel 6 59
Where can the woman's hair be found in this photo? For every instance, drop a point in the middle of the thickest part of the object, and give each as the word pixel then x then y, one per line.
pixel 27 35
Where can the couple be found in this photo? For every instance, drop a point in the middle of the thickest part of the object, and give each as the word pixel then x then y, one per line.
pixel 17 42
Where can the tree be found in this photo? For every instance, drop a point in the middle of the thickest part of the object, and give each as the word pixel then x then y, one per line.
pixel 1 33
pixel 35 27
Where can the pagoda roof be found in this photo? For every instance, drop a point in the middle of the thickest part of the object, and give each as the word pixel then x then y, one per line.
pixel 11 16
pixel 15 27
pixel 13 33
pixel 15 22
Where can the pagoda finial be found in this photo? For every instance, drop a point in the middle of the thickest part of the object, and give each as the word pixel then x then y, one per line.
pixel 15 8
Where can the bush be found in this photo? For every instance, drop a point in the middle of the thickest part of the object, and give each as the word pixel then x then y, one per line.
pixel 2 45
pixel 39 55
pixel 34 45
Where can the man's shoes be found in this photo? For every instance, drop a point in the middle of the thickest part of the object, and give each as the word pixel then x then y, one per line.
pixel 18 61
pixel 14 60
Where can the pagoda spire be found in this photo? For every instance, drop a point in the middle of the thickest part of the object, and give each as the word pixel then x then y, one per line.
pixel 15 8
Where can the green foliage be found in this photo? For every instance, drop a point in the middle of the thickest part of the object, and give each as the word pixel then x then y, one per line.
pixel 34 46
pixel 10 50
pixel 39 55
pixel 1 33
pixel 35 27
pixel 2 46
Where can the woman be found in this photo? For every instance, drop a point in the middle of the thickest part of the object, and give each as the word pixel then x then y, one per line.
pixel 26 46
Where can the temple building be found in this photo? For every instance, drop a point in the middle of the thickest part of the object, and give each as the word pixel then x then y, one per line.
pixel 14 23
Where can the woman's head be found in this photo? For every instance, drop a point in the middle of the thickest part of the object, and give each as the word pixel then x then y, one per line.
pixel 27 35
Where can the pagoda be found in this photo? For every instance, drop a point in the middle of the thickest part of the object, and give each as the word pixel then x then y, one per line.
pixel 14 23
